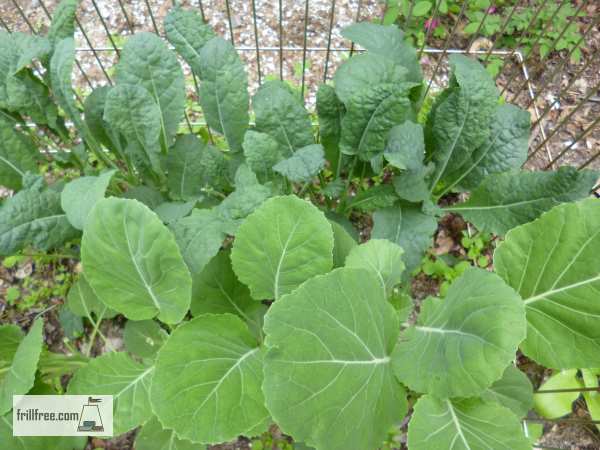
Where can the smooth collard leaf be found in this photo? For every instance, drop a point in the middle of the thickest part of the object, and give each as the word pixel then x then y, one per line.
pixel 513 390
pixel 10 337
pixel 128 381
pixel 184 164
pixel 133 112
pixel 343 243
pixel 224 91
pixel 144 338
pixel 147 62
pixel 261 151
pixel 303 165
pixel 188 33
pixel 383 258
pixel 217 290
pixel 10 442
pixel 459 121
pixel 409 227
pixel 282 244
pixel 19 374
pixel 469 424
pixel 281 115
pixel 199 237
pixel 207 384
pixel 387 41
pixel 153 436
pixel 370 115
pixel 558 404
pixel 63 21
pixel 83 301
pixel 553 264
pixel 330 111
pixel 328 376
pixel 33 216
pixel 459 345
pixel 132 262
pixel 18 155
pixel 504 201
pixel 80 195
pixel 170 212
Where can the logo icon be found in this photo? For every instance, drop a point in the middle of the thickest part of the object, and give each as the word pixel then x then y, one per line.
pixel 90 418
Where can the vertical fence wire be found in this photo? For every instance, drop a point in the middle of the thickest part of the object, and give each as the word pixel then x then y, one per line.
pixel 304 44
pixel 256 42
pixel 357 19
pixel 229 23
pixel 281 40
pixel 329 33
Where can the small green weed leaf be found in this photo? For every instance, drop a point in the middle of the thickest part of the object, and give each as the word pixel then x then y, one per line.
pixel 71 324
pixel 153 436
pixel 382 257
pixel 464 424
pixel 33 216
pixel 552 263
pixel 80 195
pixel 128 381
pixel 471 321
pixel 283 243
pixel 328 362
pixel 20 372
pixel 217 290
pixel 261 151
pixel 513 390
pixel 144 338
pixel 407 226
pixel 303 165
pixel 343 244
pixel 224 91
pixel 132 262
pixel 207 384
pixel 504 201
pixel 18 155
pixel 83 301
pixel 282 116
pixel 554 405
pixel 421 8
pixel 146 61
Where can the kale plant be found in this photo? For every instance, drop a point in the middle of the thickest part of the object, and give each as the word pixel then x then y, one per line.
pixel 234 254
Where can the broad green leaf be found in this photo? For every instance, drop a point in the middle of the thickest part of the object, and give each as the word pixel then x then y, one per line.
pixel 10 442
pixel 144 338
pixel 371 113
pixel 63 21
pixel 282 244
pixel 33 216
pixel 387 41
pixel 364 72
pixel 504 201
pixel 199 237
pixel 303 165
pixel 10 337
pixel 207 384
pixel 224 91
pixel 459 345
pixel 128 381
pixel 80 195
pixel 261 151
pixel 405 149
pixel 71 324
pixel 469 424
pixel 459 121
pixel 93 108
pixel 328 376
pixel 553 405
pixel 153 436
pixel 83 301
pixel 504 149
pixel 513 390
pixel 146 61
pixel 330 111
pixel 132 262
pixel 343 243
pixel 188 33
pixel 217 290
pixel 282 116
pixel 403 304
pixel 592 398
pixel 552 263
pixel 409 227
pixel 421 8
pixel 150 197
pixel 29 48
pixel 383 258
pixel 133 112
pixel 170 212
pixel 18 155
pixel 376 197
pixel 185 166
pixel 20 375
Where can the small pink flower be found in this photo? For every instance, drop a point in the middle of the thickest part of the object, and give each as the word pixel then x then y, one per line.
pixel 491 10
pixel 431 24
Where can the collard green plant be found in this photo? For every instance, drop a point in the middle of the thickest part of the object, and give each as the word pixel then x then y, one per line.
pixel 264 268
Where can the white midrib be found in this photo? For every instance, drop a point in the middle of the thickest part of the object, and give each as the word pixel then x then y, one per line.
pixel 134 381
pixel 367 362
pixel 283 252
pixel 39 219
pixel 504 205
pixel 561 289
pixel 11 165
pixel 368 126
pixel 457 425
